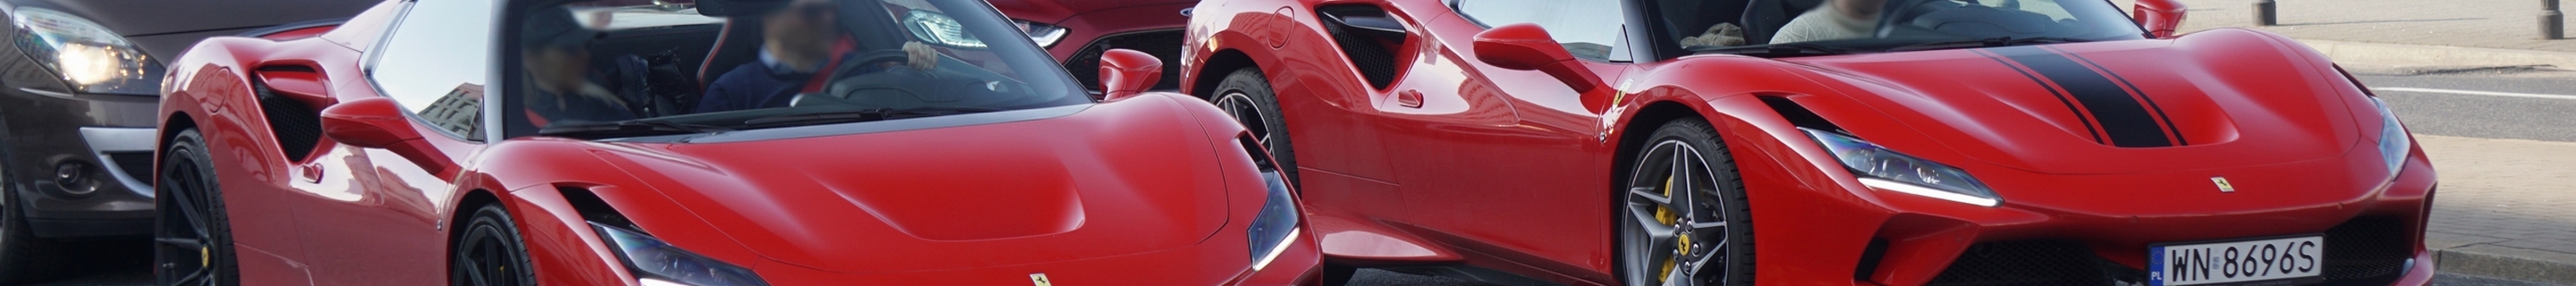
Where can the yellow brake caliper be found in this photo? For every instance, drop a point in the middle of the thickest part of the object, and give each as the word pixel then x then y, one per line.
pixel 1664 214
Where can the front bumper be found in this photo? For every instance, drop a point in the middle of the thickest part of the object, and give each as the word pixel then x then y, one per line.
pixel 2374 238
pixel 1204 264
pixel 79 164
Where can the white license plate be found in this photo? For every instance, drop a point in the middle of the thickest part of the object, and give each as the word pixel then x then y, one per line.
pixel 2280 261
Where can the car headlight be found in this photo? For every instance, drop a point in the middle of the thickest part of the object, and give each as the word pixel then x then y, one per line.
pixel 1276 226
pixel 2393 144
pixel 659 264
pixel 938 28
pixel 87 55
pixel 1885 169
pixel 1043 34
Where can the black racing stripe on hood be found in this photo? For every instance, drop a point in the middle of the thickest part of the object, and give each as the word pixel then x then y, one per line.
pixel 2122 115
pixel 2096 135
pixel 2172 129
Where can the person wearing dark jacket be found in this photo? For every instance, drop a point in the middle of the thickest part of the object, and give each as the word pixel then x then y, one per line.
pixel 799 41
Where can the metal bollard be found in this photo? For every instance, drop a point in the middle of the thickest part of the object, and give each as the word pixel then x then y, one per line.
pixel 2264 16
pixel 2553 25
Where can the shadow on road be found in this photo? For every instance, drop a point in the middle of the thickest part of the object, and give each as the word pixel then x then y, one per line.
pixel 104 262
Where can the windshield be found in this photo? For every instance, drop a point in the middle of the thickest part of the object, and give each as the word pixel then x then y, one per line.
pixel 618 68
pixel 1812 27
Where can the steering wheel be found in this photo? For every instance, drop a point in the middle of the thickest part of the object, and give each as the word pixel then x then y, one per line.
pixel 860 81
pixel 867 64
pixel 1895 15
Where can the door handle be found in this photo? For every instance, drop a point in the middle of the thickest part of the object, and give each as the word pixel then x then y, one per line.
pixel 312 172
pixel 1409 98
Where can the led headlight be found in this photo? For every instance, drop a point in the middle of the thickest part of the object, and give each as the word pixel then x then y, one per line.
pixel 939 29
pixel 1276 226
pixel 1885 169
pixel 2393 144
pixel 85 54
pixel 1045 35
pixel 659 264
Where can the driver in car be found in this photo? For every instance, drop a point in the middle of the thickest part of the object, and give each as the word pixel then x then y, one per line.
pixel 799 40
pixel 1836 20
pixel 555 51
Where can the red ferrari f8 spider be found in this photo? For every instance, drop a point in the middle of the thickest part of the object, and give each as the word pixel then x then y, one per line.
pixel 474 142
pixel 1817 142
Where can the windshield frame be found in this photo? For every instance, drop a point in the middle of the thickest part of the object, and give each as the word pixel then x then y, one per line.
pixel 1042 80
pixel 1666 42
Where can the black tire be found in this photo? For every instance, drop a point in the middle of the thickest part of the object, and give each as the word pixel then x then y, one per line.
pixel 489 252
pixel 191 234
pixel 23 256
pixel 1683 155
pixel 1248 91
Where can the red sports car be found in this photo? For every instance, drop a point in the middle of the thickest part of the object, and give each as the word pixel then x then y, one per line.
pixel 1817 142
pixel 1079 31
pixel 470 142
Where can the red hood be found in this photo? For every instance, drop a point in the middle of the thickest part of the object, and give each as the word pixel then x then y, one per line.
pixel 1113 179
pixel 1051 11
pixel 2231 98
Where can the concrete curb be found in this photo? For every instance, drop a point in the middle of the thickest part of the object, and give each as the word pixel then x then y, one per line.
pixel 2471 255
pixel 2378 54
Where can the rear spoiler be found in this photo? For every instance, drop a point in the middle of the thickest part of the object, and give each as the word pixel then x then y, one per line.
pixel 296 29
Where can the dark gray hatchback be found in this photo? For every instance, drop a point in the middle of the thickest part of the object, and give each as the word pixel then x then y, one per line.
pixel 79 85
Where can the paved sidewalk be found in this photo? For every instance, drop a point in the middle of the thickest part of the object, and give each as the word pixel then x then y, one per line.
pixel 2504 208
pixel 2402 33
pixel 2501 24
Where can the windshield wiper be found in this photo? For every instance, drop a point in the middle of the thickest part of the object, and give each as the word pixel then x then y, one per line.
pixel 626 128
pixel 1780 50
pixel 857 115
pixel 1986 43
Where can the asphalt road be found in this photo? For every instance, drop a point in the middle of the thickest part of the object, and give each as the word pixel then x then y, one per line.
pixel 2509 103
pixel 2486 103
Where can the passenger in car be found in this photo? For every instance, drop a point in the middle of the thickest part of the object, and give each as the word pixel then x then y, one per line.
pixel 1836 20
pixel 799 42
pixel 555 51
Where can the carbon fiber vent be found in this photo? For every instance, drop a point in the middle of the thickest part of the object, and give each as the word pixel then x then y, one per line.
pixel 297 126
pixel 1375 62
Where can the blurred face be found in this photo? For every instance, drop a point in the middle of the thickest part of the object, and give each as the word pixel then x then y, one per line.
pixel 805 26
pixel 1865 9
pixel 556 69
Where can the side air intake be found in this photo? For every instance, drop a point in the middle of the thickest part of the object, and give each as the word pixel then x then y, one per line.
pixel 1363 33
pixel 297 126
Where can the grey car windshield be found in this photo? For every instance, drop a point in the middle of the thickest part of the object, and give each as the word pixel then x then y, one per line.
pixel 1849 26
pixel 611 69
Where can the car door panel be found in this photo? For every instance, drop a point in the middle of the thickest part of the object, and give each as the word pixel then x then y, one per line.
pixel 1502 169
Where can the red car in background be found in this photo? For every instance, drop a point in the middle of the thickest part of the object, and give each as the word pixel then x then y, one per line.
pixel 487 142
pixel 1077 32
pixel 1723 142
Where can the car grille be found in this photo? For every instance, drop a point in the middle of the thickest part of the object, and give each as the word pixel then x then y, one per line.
pixel 2036 263
pixel 2362 251
pixel 1163 44
pixel 2367 251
